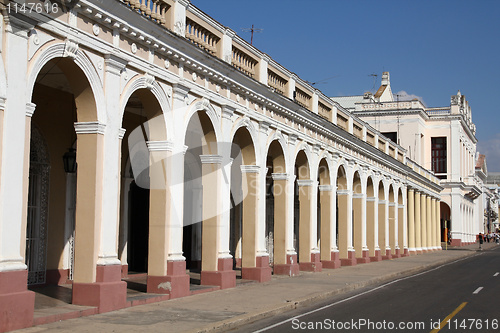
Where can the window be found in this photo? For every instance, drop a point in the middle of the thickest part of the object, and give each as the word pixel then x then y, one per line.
pixel 439 161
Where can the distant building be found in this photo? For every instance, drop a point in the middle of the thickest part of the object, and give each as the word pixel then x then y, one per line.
pixel 441 139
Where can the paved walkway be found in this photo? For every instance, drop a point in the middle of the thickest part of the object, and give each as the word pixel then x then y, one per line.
pixel 224 309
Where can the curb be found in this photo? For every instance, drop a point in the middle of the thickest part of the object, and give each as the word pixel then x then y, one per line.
pixel 313 298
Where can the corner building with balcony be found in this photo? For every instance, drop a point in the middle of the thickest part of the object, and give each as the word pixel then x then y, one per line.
pixel 441 139
pixel 145 137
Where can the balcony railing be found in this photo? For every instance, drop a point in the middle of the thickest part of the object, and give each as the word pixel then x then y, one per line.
pixel 201 36
pixel 244 62
pixel 277 82
pixel 153 9
pixel 303 98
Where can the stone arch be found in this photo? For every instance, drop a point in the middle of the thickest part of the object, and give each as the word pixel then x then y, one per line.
pixel 78 80
pixel 342 182
pixel 393 217
pixel 383 218
pixel 243 195
pixel 402 225
pixel 250 156
pixel 370 186
pixel 211 129
pixel 371 218
pixel 278 230
pixel 146 83
pixel 445 220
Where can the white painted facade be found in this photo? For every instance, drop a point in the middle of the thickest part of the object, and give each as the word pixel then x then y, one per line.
pixel 414 127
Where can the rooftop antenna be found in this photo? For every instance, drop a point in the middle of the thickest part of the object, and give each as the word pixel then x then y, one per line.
pixel 399 117
pixel 322 81
pixel 374 80
pixel 252 30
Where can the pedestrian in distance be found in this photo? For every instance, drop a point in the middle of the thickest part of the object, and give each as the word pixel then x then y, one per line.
pixel 480 238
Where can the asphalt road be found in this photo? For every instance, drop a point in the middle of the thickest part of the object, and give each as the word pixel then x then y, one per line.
pixel 458 297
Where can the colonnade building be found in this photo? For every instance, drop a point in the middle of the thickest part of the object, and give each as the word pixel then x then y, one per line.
pixel 441 139
pixel 145 137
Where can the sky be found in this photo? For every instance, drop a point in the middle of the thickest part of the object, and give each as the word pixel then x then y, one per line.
pixel 432 49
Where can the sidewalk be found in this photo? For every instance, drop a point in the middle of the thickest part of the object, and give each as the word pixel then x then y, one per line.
pixel 225 309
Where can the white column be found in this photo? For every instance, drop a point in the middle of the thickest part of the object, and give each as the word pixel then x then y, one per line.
pixel 261 191
pixel 289 192
pixel 14 141
pixel 226 207
pixel 108 247
pixel 176 215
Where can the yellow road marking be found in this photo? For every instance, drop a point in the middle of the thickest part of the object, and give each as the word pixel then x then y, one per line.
pixel 451 315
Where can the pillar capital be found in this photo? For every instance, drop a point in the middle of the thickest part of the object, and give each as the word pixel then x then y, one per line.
pixel 121 133
pixel 89 127
pixel 250 168
pixel 30 109
pixel 325 188
pixel 211 159
pixel 160 145
pixel 358 195
pixel 282 176
pixel 306 182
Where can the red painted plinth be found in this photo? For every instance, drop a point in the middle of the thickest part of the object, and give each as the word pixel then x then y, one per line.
pixel 291 268
pixel 350 260
pixel 333 263
pixel 313 266
pixel 262 272
pixel 17 303
pixel 406 253
pixel 365 257
pixel 175 283
pixel 396 254
pixel 456 242
pixel 387 256
pixel 108 293
pixel 57 276
pixel 224 277
pixel 376 257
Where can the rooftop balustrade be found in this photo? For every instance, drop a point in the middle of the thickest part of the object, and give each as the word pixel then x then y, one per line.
pixel 219 41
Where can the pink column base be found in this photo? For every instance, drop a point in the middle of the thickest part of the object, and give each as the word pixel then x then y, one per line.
pixel 406 253
pixel 388 255
pixel 365 257
pixel 262 272
pixel 291 268
pixel 333 263
pixel 376 257
pixel 350 260
pixel 17 304
pixel 313 266
pixel 396 254
pixel 224 277
pixel 456 242
pixel 175 283
pixel 108 293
